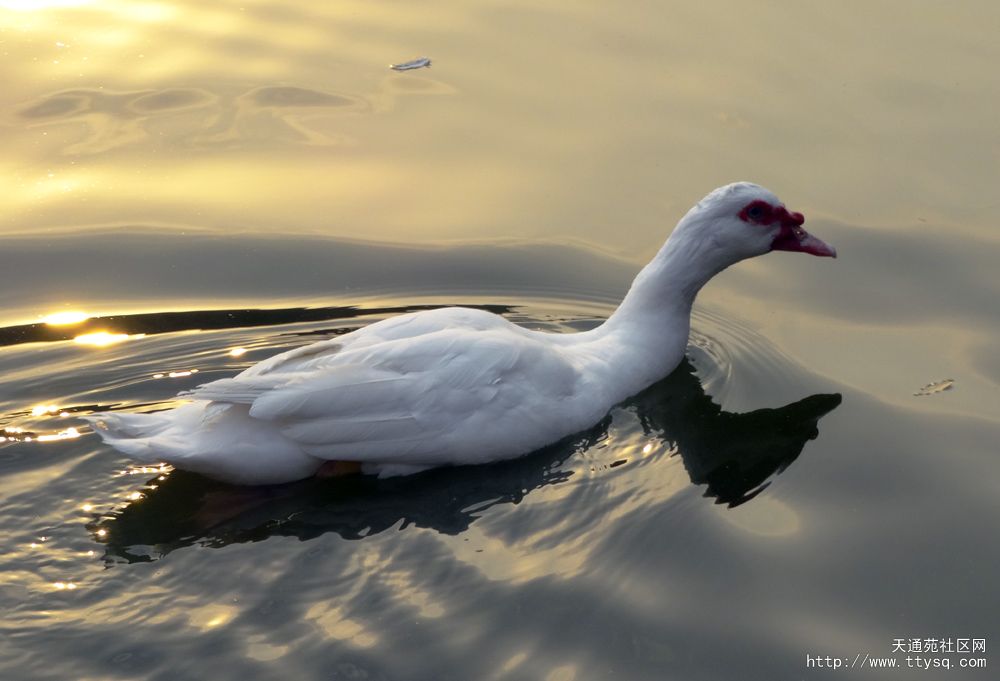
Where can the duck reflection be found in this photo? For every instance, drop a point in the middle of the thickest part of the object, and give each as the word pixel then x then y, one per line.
pixel 733 455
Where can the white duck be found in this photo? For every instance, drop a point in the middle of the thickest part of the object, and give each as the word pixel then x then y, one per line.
pixel 456 385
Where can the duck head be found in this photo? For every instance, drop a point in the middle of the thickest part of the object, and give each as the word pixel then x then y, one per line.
pixel 747 220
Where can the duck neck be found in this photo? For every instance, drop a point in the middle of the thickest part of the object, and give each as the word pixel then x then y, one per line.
pixel 663 293
pixel 646 337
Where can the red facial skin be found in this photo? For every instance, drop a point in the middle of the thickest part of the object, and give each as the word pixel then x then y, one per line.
pixel 791 236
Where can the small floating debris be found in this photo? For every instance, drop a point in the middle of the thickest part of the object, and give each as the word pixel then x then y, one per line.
pixel 935 387
pixel 418 63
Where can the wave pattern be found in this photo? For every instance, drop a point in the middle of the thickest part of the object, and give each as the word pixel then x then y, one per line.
pixel 355 560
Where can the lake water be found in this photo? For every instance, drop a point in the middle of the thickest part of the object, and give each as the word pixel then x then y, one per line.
pixel 212 183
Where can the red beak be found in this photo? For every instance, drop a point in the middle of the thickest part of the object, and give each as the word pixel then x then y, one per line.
pixel 793 237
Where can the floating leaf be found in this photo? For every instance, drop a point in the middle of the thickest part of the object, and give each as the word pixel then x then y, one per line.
pixel 418 63
pixel 935 387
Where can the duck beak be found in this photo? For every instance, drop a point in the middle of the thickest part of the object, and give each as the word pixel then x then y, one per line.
pixel 793 237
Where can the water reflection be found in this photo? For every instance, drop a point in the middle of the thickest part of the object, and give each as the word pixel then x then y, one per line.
pixel 99 120
pixel 17 434
pixel 291 96
pixel 732 454
pixel 72 104
pixel 65 318
pixel 102 339
pixel 91 331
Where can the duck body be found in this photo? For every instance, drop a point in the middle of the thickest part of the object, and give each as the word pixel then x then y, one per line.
pixel 432 388
pixel 443 387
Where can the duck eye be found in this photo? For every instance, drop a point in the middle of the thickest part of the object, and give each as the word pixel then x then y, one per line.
pixel 755 212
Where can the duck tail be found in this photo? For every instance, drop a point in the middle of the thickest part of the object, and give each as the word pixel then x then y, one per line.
pixel 132 434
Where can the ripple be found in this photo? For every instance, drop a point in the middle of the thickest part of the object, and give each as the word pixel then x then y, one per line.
pixel 291 96
pixel 192 117
pixel 638 434
pixel 737 364
pixel 170 100
pixel 62 105
pixel 350 554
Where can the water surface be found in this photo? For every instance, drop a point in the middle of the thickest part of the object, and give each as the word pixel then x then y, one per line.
pixel 214 183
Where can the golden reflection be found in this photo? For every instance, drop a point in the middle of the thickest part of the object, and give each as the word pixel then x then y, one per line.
pixel 53 185
pixel 514 662
pixel 87 508
pixel 237 352
pixel 68 434
pixel 100 339
pixel 43 409
pixel 66 318
pixel 146 470
pixel 143 12
pixel 767 517
pixel 160 45
pixel 211 616
pixel 566 672
pixel 336 624
pixel 17 434
pixel 405 588
pixel 553 548
pixel 176 374
pixel 34 5
pixel 262 650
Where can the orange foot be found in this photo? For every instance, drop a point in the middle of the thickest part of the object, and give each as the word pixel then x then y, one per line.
pixel 336 469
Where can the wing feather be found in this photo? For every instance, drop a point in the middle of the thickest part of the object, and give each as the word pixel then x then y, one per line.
pixel 346 430
pixel 344 392
pixel 237 390
pixel 425 396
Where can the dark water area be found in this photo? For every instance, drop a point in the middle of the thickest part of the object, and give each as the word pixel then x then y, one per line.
pixel 189 188
pixel 738 515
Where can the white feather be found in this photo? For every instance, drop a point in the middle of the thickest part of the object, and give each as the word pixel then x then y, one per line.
pixel 447 386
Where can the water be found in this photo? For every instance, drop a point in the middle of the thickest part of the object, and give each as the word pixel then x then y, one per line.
pixel 202 178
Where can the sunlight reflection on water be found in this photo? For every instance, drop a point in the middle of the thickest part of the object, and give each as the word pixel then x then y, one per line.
pixel 160 155
pixel 300 91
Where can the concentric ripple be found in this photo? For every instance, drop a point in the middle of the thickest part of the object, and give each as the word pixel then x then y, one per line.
pixel 74 508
